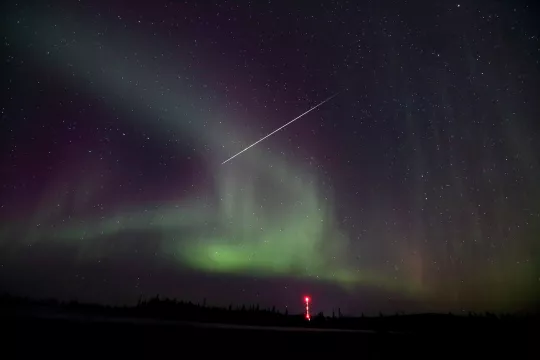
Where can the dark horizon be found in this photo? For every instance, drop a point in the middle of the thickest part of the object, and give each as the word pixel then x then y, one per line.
pixel 165 326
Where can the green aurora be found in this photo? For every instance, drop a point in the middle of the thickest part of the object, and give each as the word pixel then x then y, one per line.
pixel 292 233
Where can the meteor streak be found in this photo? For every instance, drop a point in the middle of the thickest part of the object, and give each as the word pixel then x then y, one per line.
pixel 275 131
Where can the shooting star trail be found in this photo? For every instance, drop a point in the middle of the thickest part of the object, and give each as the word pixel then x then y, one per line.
pixel 275 131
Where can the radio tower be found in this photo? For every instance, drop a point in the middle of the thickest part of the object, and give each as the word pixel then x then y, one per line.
pixel 307 299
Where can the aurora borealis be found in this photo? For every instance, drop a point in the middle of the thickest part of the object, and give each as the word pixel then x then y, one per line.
pixel 415 189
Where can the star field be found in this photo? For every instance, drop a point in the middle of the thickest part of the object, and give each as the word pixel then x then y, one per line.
pixel 414 189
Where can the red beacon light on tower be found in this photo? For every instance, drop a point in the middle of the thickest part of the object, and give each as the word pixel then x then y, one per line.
pixel 307 300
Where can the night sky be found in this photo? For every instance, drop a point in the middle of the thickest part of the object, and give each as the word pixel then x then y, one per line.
pixel 415 188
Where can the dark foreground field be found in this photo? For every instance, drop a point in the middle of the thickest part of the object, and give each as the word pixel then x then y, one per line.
pixel 33 337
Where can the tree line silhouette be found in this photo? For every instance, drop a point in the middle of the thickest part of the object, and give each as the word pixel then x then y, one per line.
pixel 167 309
